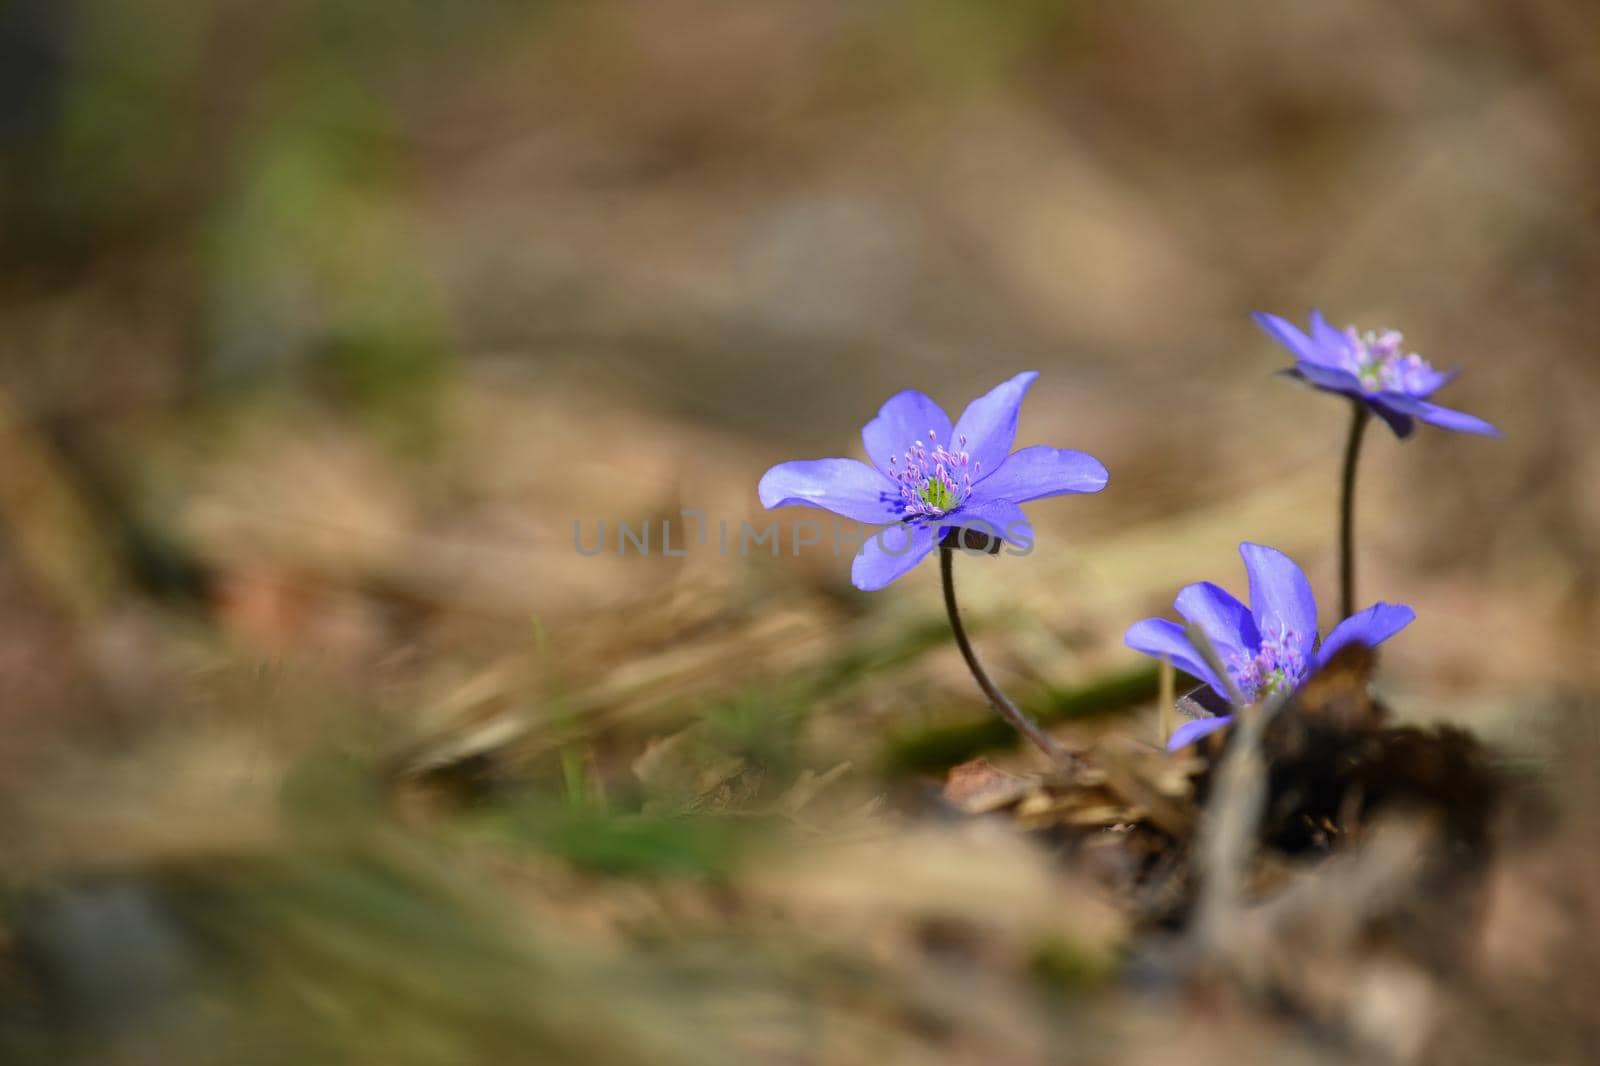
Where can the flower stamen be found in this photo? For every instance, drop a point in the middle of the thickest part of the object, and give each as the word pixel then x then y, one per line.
pixel 933 480
pixel 1278 666
pixel 1381 364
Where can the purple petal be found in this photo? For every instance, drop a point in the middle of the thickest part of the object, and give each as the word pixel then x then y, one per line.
pixel 1166 640
pixel 990 422
pixel 1040 471
pixel 1330 378
pixel 1221 617
pixel 1371 627
pixel 1443 417
pixel 1191 731
pixel 1426 383
pixel 1331 343
pixel 1457 421
pixel 995 518
pixel 1402 424
pixel 1280 596
pixel 1288 334
pixel 905 418
pixel 889 553
pixel 846 487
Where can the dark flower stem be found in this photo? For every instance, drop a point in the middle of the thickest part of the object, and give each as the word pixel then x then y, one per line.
pixel 1007 710
pixel 1347 510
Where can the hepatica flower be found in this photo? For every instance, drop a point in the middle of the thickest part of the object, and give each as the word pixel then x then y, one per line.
pixel 1373 368
pixel 927 477
pixel 1267 648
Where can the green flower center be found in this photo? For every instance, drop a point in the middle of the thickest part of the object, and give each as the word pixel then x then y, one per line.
pixel 937 495
pixel 1274 682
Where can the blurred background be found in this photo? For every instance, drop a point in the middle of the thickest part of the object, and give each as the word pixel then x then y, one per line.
pixel 322 323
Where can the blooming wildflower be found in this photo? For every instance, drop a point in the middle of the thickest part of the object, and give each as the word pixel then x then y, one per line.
pixel 928 477
pixel 1374 368
pixel 1267 648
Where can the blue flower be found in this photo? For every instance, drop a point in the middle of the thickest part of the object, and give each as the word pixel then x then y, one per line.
pixel 927 478
pixel 1267 648
pixel 1373 368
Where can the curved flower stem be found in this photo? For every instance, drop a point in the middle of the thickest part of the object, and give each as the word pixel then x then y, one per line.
pixel 1347 510
pixel 1008 710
